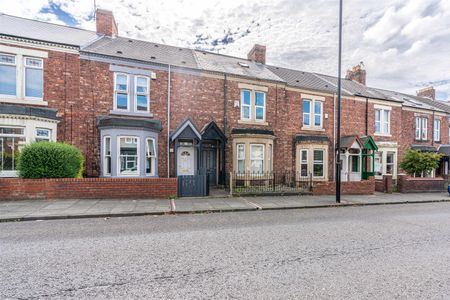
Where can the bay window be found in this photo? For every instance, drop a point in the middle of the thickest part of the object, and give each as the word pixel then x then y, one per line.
pixel 304 162
pixel 318 163
pixel 150 157
pixel 128 155
pixel 107 156
pixel 43 134
pixel 240 158
pixel 437 131
pixel 141 94
pixel 11 140
pixel 121 85
pixel 386 162
pixel 34 77
pixel 7 75
pixel 256 158
pixel 390 162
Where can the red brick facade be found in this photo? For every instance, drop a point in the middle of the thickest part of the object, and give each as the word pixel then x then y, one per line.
pixel 87 188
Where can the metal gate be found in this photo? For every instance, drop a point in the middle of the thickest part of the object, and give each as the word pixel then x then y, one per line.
pixel 193 185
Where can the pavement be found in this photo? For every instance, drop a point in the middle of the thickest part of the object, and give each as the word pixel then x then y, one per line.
pixel 360 252
pixel 28 210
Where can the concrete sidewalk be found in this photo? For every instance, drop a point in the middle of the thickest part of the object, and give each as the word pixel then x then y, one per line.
pixel 65 209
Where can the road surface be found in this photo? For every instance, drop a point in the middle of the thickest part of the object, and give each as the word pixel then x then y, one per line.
pixel 395 251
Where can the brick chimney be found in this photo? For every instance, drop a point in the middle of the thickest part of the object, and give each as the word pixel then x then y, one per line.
pixel 106 24
pixel 428 92
pixel 357 73
pixel 257 54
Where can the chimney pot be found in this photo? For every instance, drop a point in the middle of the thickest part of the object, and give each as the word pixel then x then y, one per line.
pixel 357 73
pixel 105 22
pixel 257 54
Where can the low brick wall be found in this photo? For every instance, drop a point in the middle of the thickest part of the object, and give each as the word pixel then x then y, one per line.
pixel 408 184
pixel 364 187
pixel 87 188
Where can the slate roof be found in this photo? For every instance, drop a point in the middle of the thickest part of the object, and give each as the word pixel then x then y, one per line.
pixel 116 121
pixel 43 31
pixel 41 112
pixel 143 51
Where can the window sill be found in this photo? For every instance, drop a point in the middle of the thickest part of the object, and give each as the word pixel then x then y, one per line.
pixel 23 101
pixel 131 113
pixel 383 134
pixel 250 122
pixel 313 128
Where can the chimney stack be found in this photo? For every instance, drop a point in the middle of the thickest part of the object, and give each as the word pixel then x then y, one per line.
pixel 357 73
pixel 257 54
pixel 105 22
pixel 428 92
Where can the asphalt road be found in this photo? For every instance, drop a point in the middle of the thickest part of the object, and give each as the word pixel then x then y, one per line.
pixel 397 251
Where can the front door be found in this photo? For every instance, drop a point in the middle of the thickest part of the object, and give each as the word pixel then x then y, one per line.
pixel 185 161
pixel 209 164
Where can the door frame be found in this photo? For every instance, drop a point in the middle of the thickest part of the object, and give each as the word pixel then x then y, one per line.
pixel 194 158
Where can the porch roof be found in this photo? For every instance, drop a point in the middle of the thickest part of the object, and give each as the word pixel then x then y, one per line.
pixel 424 148
pixel 186 130
pixel 347 141
pixel 369 143
pixel 311 138
pixel 444 149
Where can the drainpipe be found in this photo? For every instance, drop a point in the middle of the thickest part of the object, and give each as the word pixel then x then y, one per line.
pixel 334 136
pixel 367 116
pixel 225 121
pixel 432 131
pixel 168 121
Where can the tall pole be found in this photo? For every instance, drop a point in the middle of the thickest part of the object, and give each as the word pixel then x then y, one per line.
pixel 338 134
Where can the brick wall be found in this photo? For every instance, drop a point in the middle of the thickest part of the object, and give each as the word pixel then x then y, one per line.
pixel 365 187
pixel 408 184
pixel 87 188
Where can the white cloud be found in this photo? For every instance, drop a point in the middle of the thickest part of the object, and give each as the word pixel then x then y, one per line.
pixel 404 44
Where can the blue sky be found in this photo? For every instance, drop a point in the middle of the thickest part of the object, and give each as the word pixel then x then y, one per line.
pixel 404 44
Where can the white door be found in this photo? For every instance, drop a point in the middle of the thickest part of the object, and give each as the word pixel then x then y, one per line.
pixel 185 161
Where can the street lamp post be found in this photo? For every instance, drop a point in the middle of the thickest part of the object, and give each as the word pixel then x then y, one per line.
pixel 338 133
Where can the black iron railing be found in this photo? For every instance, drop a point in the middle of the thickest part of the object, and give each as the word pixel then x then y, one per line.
pixel 269 182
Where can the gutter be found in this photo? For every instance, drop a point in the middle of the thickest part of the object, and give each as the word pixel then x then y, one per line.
pixel 367 116
pixel 334 136
pixel 225 124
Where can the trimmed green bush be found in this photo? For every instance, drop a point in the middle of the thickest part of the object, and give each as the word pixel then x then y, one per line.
pixel 416 162
pixel 50 160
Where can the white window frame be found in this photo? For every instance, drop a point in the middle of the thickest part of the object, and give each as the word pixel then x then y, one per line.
pixel 320 115
pixel 36 137
pixel 23 136
pixel 15 64
pixel 253 159
pixel 105 155
pixel 238 158
pixel 437 130
pixel 423 128
pixel 153 157
pixel 307 113
pixel 116 74
pixel 312 112
pixel 119 173
pixel 304 162
pixel 246 105
pixel 382 121
pixel 25 67
pixel 136 94
pixel 259 106
pixel 314 162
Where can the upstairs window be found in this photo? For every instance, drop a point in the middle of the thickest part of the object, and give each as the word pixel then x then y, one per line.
pixel 121 99
pixel 34 77
pixel 246 105
pixel 260 106
pixel 382 121
pixel 312 113
pixel 8 75
pixel 253 105
pixel 141 94
pixel 421 128
pixel 437 131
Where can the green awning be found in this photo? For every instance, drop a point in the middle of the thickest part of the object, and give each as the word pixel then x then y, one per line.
pixel 369 143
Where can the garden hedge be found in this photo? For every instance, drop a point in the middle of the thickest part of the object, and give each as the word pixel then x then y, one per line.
pixel 50 160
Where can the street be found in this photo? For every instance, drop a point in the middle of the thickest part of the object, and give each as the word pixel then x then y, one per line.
pixel 389 251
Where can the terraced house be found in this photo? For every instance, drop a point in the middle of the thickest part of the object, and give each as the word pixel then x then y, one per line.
pixel 142 109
